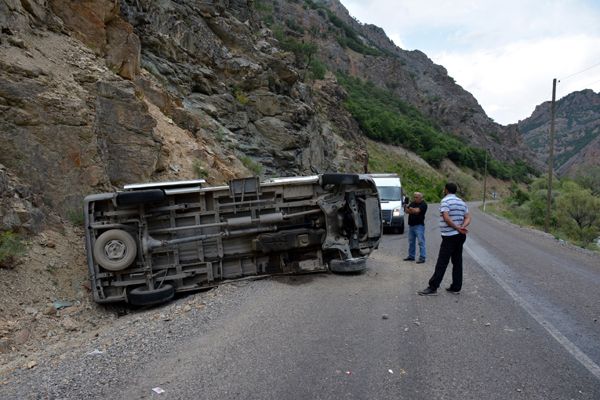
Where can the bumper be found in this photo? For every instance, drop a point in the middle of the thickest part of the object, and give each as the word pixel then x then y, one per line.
pixel 394 222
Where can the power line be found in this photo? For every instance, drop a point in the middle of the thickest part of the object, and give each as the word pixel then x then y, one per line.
pixel 590 84
pixel 586 86
pixel 580 72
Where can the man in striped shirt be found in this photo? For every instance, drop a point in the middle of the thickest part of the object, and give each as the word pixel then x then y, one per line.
pixel 454 219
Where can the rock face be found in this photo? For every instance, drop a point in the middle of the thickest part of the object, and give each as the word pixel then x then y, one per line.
pixel 98 24
pixel 577 131
pixel 98 93
pixel 18 205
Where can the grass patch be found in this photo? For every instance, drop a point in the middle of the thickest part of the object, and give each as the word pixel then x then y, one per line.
pixel 241 96
pixel 11 248
pixel 252 165
pixel 75 216
pixel 199 169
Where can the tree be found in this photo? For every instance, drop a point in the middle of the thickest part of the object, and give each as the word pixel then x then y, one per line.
pixel 590 179
pixel 578 213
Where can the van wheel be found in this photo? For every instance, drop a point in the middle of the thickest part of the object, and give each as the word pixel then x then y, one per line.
pixel 401 229
pixel 349 265
pixel 115 250
pixel 142 296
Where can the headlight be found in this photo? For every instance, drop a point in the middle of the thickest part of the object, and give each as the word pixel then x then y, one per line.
pixel 396 212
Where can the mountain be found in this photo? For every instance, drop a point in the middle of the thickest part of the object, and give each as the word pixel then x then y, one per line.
pixel 98 93
pixel 364 51
pixel 577 132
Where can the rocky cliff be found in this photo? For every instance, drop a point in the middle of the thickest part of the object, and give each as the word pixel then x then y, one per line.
pixel 577 132
pixel 98 93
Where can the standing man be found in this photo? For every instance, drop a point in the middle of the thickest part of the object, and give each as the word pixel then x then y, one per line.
pixel 454 219
pixel 416 227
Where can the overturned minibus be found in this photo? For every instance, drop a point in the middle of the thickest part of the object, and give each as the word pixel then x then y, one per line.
pixel 151 240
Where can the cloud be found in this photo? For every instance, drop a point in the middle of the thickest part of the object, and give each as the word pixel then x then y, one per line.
pixel 505 53
pixel 509 81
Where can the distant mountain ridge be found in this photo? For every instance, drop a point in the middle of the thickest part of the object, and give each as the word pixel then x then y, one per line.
pixel 577 131
pixel 365 51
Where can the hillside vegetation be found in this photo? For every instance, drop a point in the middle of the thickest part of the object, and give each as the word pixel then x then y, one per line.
pixel 574 208
pixel 384 117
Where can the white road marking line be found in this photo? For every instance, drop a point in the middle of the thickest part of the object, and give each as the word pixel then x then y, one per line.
pixel 579 355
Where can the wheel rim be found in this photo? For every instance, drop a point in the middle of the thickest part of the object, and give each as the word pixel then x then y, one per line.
pixel 115 250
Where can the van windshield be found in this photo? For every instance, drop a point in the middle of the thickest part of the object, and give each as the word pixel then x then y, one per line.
pixel 389 193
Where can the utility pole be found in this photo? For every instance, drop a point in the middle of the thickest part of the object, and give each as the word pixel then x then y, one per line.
pixel 550 158
pixel 484 179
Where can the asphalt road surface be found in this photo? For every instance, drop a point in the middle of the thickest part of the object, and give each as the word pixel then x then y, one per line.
pixel 526 326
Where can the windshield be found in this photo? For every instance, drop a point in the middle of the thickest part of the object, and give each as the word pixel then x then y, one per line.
pixel 389 193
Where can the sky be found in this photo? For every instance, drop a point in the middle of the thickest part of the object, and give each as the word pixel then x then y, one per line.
pixel 505 52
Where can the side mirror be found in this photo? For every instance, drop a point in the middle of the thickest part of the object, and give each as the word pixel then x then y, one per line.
pixel 406 200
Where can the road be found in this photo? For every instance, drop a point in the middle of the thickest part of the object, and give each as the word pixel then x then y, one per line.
pixel 324 336
pixel 526 326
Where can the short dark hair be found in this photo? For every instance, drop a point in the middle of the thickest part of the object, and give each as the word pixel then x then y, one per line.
pixel 451 187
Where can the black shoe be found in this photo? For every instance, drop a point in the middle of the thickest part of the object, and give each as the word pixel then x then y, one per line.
pixel 421 261
pixel 452 290
pixel 428 292
pixel 409 259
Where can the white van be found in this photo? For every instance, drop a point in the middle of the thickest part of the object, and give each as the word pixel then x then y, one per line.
pixel 391 198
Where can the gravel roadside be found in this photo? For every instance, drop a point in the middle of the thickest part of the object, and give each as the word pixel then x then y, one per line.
pixel 110 357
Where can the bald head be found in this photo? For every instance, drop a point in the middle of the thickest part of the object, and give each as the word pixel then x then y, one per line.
pixel 418 197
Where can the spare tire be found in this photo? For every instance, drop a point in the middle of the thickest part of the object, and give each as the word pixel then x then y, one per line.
pixel 339 179
pixel 349 265
pixel 142 296
pixel 140 197
pixel 115 250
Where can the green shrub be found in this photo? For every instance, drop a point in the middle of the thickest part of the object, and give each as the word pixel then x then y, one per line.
pixel 220 135
pixel 75 216
pixel 11 248
pixel 317 69
pixel 573 211
pixel 252 165
pixel 240 96
pixel 199 170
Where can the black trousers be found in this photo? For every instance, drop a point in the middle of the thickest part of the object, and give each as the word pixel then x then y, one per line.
pixel 450 249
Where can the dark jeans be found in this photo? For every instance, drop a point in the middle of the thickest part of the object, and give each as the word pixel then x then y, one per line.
pixel 450 249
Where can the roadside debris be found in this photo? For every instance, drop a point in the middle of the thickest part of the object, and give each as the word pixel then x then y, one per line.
pixel 31 364
pixel 390 371
pixel 385 316
pixel 158 390
pixel 60 304
pixel 95 352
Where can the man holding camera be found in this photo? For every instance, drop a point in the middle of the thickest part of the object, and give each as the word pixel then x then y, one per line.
pixel 416 227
